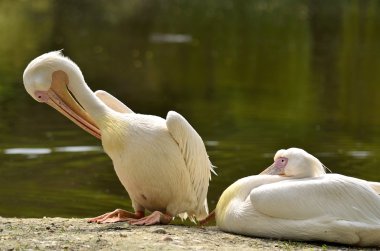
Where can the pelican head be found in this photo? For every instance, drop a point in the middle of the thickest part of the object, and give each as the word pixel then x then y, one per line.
pixel 49 79
pixel 295 162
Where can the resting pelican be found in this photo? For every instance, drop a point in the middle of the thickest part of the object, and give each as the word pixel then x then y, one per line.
pixel 295 199
pixel 162 164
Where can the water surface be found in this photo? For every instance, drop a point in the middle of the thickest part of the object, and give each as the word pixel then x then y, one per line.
pixel 251 77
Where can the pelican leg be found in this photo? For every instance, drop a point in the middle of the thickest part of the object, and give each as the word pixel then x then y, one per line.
pixel 117 216
pixel 209 217
pixel 155 218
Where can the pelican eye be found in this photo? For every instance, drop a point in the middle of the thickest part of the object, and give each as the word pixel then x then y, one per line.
pixel 281 162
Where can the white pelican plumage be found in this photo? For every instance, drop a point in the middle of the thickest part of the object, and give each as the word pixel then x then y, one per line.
pixel 162 164
pixel 295 199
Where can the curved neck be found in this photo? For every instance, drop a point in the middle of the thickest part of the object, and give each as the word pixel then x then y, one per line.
pixel 247 184
pixel 83 94
pixel 240 190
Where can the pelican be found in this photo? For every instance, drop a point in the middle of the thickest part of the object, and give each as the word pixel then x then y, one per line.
pixel 162 163
pixel 295 199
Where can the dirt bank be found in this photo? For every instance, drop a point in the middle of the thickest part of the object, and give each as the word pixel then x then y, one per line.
pixel 76 234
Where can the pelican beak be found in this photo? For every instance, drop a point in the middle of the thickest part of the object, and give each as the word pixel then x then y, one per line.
pixel 59 97
pixel 273 170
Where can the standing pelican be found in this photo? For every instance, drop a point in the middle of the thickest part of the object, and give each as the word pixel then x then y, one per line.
pixel 162 164
pixel 295 199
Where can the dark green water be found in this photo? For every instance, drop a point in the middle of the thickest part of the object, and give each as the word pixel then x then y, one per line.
pixel 252 77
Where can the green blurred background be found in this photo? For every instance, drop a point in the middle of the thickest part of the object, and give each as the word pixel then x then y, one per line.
pixel 251 77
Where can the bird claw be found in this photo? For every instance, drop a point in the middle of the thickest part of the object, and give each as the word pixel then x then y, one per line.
pixel 118 215
pixel 155 218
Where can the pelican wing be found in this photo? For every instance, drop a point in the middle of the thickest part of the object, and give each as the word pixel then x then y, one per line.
pixel 332 195
pixel 195 156
pixel 112 102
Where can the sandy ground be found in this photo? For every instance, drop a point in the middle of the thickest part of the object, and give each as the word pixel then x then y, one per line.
pixel 76 234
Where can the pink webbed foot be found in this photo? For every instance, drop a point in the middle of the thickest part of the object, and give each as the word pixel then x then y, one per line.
pixel 155 218
pixel 117 216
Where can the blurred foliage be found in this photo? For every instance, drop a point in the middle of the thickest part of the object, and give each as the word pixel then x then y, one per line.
pixel 250 76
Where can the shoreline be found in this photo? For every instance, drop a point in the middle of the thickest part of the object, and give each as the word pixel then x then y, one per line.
pixel 77 234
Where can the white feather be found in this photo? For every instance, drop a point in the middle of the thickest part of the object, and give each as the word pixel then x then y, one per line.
pixel 195 157
pixel 112 102
pixel 327 207
pixel 162 164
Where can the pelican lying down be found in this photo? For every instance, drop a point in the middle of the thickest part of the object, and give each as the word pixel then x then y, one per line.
pixel 162 164
pixel 295 199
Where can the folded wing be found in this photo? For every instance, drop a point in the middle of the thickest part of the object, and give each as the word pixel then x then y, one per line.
pixel 112 102
pixel 332 195
pixel 195 156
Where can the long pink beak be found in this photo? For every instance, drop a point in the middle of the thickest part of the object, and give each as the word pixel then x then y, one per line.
pixel 273 170
pixel 59 97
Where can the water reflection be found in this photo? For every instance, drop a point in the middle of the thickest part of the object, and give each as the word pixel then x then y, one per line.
pixel 250 76
pixel 64 149
pixel 27 151
pixel 170 38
